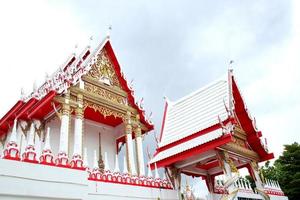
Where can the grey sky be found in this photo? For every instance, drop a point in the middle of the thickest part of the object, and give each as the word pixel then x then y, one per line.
pixel 168 47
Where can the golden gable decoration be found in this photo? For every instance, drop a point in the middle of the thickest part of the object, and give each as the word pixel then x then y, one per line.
pixel 103 70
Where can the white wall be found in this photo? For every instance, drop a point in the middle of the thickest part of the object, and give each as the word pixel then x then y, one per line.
pixel 20 180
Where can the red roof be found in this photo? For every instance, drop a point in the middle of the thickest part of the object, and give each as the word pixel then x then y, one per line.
pixel 38 108
pixel 181 145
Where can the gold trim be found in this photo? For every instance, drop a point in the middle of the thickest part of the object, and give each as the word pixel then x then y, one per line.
pixel 105 111
pixel 103 70
pixel 242 151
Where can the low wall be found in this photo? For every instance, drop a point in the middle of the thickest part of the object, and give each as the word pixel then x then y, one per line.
pixel 21 180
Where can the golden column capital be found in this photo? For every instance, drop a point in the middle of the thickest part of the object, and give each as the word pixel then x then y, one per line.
pixel 79 111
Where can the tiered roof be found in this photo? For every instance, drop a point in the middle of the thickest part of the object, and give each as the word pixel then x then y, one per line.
pixel 39 103
pixel 200 122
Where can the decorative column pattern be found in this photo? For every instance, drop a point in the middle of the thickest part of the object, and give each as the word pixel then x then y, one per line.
pixel 129 147
pixel 62 159
pixel 30 153
pixel 77 161
pixel 47 156
pixel 11 151
pixel 139 148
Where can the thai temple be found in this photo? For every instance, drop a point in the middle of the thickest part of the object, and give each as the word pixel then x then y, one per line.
pixel 62 141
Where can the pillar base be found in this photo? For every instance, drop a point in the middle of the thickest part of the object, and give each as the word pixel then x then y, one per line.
pixel 62 160
pixel 12 151
pixel 29 155
pixel 77 162
pixel 47 157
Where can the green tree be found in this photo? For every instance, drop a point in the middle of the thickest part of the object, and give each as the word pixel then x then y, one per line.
pixel 288 171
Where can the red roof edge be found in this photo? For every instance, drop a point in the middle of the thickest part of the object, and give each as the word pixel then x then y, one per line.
pixel 163 122
pixel 194 135
pixel 253 135
pixel 196 150
pixel 32 113
pixel 124 84
pixel 10 114
pixel 22 112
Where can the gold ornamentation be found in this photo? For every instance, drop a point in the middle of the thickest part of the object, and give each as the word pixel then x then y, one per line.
pixel 103 110
pixel 240 142
pixel 254 165
pixel 103 70
pixel 105 93
pixel 230 162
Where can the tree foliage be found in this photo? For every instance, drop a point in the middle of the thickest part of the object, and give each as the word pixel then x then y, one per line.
pixel 286 170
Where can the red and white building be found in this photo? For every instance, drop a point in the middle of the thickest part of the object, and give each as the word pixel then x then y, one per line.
pixel 63 140
pixel 209 133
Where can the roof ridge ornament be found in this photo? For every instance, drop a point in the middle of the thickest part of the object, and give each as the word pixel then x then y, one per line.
pixel 230 66
pixel 109 31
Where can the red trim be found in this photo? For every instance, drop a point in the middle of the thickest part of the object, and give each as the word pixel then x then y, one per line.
pixel 196 150
pixel 8 157
pixel 209 165
pixel 124 85
pixel 30 161
pixel 40 106
pixel 69 63
pixel 193 174
pixel 9 115
pixel 22 112
pixel 253 136
pixel 163 122
pixel 194 135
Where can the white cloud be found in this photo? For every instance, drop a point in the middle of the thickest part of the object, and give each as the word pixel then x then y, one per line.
pixel 35 38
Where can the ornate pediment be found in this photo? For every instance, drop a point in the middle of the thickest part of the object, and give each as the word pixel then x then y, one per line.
pixel 103 70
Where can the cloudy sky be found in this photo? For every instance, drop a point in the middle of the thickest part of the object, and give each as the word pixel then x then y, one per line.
pixel 169 48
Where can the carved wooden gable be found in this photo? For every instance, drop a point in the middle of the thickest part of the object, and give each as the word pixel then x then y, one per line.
pixel 105 80
pixel 103 70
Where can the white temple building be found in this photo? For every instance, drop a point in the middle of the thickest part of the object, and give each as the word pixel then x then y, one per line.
pixel 63 140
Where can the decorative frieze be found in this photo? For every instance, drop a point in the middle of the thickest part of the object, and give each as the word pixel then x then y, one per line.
pixel 115 98
pixel 105 111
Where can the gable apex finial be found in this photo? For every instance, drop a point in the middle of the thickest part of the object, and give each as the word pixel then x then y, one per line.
pixel 109 31
pixel 230 66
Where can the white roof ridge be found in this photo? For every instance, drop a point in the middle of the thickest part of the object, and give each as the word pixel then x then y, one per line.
pixel 224 77
pixel 95 51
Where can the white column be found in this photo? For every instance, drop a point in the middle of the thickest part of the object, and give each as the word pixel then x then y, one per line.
pixel 139 149
pixel 78 127
pixel 64 130
pixel 129 147
pixel 64 133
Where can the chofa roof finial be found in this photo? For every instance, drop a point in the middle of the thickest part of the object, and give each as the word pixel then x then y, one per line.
pixel 109 30
pixel 230 66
